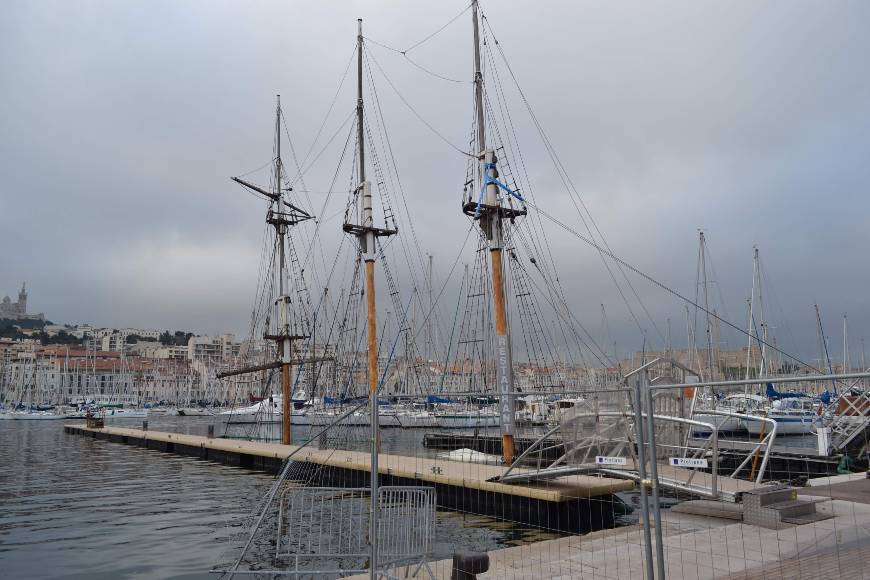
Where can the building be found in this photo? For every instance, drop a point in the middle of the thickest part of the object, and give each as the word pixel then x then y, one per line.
pixel 213 349
pixel 113 340
pixel 17 310
pixel 70 374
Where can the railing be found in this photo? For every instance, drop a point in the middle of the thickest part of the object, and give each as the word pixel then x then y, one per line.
pixel 555 469
pixel 325 530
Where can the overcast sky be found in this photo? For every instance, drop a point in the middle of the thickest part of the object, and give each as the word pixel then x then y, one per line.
pixel 122 122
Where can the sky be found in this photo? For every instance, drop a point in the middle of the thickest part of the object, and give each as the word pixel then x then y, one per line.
pixel 123 121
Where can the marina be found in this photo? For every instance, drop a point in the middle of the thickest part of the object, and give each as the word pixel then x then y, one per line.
pixel 407 348
pixel 613 551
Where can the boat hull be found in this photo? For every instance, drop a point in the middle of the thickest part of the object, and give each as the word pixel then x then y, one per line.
pixel 38 416
pixel 800 425
pixel 195 412
pixel 466 421
pixel 723 423
pixel 125 414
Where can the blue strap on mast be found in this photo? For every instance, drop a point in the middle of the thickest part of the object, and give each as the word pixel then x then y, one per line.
pixel 487 179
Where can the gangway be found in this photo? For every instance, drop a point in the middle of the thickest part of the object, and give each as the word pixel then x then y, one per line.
pixel 611 442
pixel 694 481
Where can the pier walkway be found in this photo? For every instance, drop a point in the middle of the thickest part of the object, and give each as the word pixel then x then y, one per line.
pixel 570 504
pixel 433 470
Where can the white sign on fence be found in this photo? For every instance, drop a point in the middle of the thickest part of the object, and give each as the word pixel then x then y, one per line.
pixel 601 460
pixel 688 462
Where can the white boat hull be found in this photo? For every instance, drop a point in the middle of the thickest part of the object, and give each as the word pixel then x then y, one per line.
pixel 37 416
pixel 195 412
pixel 802 425
pixel 358 419
pixel 124 414
pixel 723 423
pixel 417 420
pixel 466 420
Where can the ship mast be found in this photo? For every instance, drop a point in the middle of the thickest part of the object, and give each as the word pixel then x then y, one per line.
pixel 490 213
pixel 709 326
pixel 283 338
pixel 366 233
pixel 284 215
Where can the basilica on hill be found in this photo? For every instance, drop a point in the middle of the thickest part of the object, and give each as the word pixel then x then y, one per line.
pixel 17 310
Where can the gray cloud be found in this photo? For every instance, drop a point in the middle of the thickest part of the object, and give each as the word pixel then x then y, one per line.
pixel 122 122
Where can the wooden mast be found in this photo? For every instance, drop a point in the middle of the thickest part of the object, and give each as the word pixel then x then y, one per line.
pixel 367 241
pixel 285 214
pixel 283 299
pixel 490 213
pixel 366 233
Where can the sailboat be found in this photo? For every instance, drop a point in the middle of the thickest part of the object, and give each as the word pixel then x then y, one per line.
pixel 741 403
pixel 282 215
pixel 31 410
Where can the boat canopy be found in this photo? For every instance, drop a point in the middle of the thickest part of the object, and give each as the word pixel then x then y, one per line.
pixel 774 394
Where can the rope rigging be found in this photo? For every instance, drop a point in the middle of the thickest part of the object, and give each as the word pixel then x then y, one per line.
pixel 664 287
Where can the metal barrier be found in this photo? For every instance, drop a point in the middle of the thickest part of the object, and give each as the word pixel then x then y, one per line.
pixel 406 525
pixel 325 530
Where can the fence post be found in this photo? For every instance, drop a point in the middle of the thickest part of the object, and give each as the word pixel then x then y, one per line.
pixel 714 476
pixel 641 469
pixel 653 463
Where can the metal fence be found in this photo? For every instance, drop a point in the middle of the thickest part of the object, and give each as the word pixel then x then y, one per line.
pixel 325 530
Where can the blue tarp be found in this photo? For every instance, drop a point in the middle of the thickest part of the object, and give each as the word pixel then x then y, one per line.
pixel 437 399
pixel 774 394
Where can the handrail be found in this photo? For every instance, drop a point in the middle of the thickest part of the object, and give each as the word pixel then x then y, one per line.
pixel 767 440
pixel 642 367
pixel 625 414
pixel 756 381
pixel 664 359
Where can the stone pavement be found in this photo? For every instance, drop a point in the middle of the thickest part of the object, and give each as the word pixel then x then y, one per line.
pixel 699 547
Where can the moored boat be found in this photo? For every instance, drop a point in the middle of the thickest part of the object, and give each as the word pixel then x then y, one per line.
pixel 793 416
pixel 737 403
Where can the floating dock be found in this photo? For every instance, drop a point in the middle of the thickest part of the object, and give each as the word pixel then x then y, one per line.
pixel 572 504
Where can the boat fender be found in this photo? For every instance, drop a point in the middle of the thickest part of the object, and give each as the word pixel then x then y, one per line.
pixel 845 465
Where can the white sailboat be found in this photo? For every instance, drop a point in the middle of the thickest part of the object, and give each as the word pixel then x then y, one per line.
pixel 737 403
pixel 793 416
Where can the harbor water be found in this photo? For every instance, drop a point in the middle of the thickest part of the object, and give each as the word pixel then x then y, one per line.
pixel 75 507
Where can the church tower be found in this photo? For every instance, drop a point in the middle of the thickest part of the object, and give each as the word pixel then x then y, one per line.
pixel 22 298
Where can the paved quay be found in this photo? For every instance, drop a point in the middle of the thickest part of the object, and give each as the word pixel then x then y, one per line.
pixel 700 547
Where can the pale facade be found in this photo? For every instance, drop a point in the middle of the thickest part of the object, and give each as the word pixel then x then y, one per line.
pixel 17 310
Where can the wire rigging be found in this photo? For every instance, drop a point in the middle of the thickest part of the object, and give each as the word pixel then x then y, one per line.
pixel 663 286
